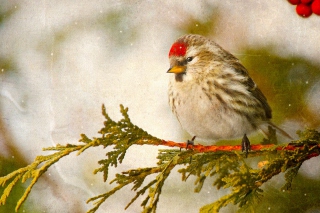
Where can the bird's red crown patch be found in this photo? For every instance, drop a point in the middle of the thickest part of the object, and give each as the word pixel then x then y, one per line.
pixel 178 49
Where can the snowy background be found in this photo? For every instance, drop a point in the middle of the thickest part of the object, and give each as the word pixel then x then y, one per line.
pixel 60 60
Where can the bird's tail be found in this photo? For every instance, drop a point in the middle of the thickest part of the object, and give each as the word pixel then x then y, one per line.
pixel 265 130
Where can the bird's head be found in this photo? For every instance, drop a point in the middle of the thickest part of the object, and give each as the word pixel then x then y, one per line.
pixel 193 55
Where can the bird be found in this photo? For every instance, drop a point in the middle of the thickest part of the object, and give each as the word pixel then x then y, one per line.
pixel 212 95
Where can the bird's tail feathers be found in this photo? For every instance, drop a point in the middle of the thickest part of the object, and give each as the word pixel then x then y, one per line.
pixel 264 128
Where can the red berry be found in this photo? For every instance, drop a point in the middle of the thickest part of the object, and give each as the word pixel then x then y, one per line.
pixel 306 1
pixel 315 6
pixel 294 2
pixel 304 10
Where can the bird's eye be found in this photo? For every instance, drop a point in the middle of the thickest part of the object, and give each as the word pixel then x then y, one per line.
pixel 189 59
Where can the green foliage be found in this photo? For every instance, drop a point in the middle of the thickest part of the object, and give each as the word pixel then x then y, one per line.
pixel 7 165
pixel 32 171
pixel 121 134
pixel 226 169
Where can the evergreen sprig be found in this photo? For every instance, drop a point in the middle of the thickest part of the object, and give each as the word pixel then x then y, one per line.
pixel 33 172
pixel 228 167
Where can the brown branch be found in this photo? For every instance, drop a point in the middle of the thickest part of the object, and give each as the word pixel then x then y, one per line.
pixel 230 148
pixel 213 148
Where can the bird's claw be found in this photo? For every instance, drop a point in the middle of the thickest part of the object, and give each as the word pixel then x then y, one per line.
pixel 190 142
pixel 245 145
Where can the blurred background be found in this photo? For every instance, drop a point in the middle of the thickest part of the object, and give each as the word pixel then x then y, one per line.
pixel 61 60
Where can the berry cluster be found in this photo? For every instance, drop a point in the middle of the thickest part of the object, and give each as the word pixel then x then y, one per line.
pixel 305 8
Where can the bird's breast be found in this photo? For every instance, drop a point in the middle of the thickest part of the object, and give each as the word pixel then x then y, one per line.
pixel 201 113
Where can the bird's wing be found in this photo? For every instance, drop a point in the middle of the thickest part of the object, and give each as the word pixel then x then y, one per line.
pixel 253 88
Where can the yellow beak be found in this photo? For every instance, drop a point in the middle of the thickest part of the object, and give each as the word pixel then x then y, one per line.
pixel 177 69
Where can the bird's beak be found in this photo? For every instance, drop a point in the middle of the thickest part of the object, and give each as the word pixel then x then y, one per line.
pixel 177 69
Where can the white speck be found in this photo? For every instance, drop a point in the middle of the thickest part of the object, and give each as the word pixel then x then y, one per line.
pixel 289 105
pixel 269 208
pixel 131 44
pixel 197 25
pixel 15 6
pixel 100 11
pixel 51 54
pixel 2 70
pixel 292 64
pixel 91 184
pixel 120 31
pixel 307 82
pixel 283 190
pixel 49 174
pixel 75 23
pixel 22 101
pixel 12 156
pixel 305 194
pixel 208 192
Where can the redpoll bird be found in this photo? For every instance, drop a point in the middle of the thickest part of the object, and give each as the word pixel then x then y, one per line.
pixel 212 94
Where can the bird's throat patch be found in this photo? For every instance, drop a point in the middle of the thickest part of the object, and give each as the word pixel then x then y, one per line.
pixel 179 77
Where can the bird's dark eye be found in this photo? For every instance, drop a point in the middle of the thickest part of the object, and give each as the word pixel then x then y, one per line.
pixel 189 59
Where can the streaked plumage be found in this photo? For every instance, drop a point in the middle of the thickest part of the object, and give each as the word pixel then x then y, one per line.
pixel 211 92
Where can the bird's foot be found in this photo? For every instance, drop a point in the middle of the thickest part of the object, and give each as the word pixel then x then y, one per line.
pixel 245 145
pixel 190 142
